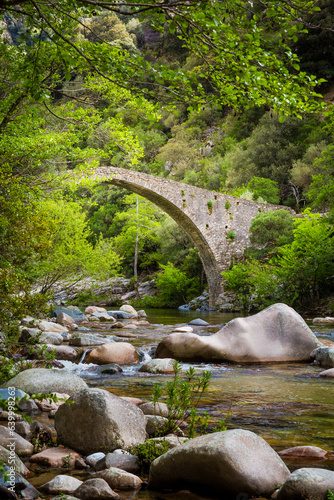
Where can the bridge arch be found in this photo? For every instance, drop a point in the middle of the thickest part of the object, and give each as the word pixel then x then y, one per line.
pixel 218 224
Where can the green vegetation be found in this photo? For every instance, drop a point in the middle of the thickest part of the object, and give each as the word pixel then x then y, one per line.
pixel 147 452
pixel 191 92
pixel 174 287
pixel 299 272
pixel 182 395
pixel 231 235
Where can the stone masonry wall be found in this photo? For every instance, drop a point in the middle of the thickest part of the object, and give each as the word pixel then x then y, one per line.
pixel 207 216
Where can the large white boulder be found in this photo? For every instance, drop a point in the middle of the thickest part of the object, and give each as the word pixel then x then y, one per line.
pixel 230 461
pixel 275 334
pixel 98 420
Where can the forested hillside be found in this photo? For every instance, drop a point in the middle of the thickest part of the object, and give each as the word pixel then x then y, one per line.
pixel 234 98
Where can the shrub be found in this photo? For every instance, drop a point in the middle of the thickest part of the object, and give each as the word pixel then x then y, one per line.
pixel 231 235
pixel 175 287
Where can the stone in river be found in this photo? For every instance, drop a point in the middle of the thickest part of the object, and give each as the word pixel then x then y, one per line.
pixel 124 461
pixel 22 446
pixel 276 334
pixel 44 380
pixel 231 461
pixel 95 489
pixel 198 322
pixel 165 365
pixel 61 484
pixel 119 479
pixel 55 458
pixel 327 373
pixel 307 483
pixel 120 352
pixel 97 420
pixel 304 452
pixel 324 356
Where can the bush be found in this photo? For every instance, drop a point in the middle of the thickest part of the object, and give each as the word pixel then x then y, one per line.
pixel 175 288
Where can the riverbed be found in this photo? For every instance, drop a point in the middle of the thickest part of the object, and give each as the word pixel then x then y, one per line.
pixel 287 404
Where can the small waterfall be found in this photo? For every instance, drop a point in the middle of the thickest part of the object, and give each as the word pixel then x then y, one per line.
pixel 83 355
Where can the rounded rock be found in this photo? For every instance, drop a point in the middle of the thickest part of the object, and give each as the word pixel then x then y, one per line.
pixel 229 461
pixel 119 479
pixel 45 380
pixel 314 482
pixel 115 422
pixel 61 484
pixel 121 353
pixel 95 489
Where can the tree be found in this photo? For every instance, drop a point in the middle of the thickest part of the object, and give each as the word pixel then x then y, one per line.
pixel 139 232
pixel 269 231
pixel 265 189
pixel 305 267
pixel 71 257
pixel 238 44
pixel 24 240
pixel 299 274
pixel 174 287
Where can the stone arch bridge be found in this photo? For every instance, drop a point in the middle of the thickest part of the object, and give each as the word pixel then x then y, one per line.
pixel 218 224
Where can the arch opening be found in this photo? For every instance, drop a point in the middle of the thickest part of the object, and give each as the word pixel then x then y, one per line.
pixel 182 219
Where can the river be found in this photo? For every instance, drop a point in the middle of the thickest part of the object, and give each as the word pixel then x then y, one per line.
pixel 287 404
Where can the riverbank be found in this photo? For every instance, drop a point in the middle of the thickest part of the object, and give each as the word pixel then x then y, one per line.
pixel 286 404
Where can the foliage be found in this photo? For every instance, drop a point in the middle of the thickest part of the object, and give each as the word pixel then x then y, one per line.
pixel 300 273
pixel 249 158
pixel 231 235
pixel 139 222
pixel 183 396
pixel 306 266
pixel 249 63
pixel 308 166
pixel 147 452
pixel 321 190
pixel 264 189
pixel 174 287
pixel 330 495
pixel 269 231
pixel 74 95
pixel 71 255
pixel 23 241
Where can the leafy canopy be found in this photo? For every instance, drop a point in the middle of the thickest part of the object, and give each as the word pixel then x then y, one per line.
pixel 244 49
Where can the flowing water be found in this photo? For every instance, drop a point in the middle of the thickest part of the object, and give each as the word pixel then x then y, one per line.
pixel 287 404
